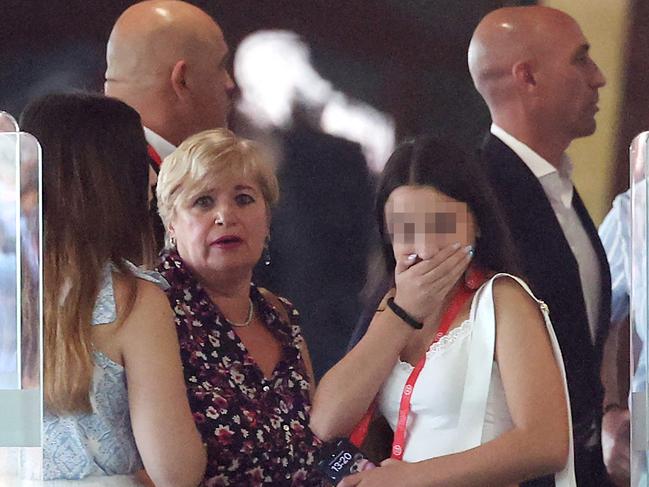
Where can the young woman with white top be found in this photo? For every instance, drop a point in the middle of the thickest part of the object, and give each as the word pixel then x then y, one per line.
pixel 464 366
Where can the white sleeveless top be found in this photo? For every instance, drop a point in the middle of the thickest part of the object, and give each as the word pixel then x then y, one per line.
pixel 459 401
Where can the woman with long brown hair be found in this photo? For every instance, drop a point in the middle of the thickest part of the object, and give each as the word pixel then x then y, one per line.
pixel 114 393
pixel 463 365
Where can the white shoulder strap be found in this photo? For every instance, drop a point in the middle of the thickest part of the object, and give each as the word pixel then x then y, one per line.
pixel 478 374
pixel 481 362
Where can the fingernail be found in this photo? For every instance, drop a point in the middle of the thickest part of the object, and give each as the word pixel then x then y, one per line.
pixel 412 257
pixel 456 245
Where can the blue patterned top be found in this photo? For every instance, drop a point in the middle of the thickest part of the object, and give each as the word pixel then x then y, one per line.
pixel 101 442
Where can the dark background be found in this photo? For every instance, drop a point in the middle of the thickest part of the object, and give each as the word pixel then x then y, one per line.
pixel 406 58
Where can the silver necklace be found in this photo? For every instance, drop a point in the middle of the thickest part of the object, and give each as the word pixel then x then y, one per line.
pixel 251 312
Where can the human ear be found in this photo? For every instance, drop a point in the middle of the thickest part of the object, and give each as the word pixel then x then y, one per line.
pixel 178 78
pixel 523 74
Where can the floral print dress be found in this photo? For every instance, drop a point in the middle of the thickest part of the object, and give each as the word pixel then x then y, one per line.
pixel 255 428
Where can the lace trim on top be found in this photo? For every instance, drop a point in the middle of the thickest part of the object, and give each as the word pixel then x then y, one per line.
pixel 446 341
pixel 450 338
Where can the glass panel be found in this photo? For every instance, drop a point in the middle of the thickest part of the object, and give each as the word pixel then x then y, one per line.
pixel 7 123
pixel 9 359
pixel 639 157
pixel 20 304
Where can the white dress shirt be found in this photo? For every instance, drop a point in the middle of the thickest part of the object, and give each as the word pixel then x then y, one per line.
pixel 559 190
pixel 160 145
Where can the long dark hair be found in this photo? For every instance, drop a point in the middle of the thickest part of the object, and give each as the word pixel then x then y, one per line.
pixel 428 161
pixel 95 180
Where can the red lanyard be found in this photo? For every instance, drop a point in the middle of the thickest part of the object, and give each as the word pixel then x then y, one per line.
pixel 473 281
pixel 153 154
pixel 459 298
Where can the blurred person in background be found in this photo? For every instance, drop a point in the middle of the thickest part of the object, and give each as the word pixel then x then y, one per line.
pixel 322 227
pixel 616 234
pixel 169 60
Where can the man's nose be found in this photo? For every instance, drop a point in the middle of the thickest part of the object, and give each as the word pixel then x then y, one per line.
pixel 599 80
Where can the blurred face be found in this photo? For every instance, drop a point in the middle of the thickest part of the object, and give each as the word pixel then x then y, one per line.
pixel 569 81
pixel 223 228
pixel 422 220
pixel 212 87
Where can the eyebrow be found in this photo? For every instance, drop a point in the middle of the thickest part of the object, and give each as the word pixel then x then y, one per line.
pixel 239 187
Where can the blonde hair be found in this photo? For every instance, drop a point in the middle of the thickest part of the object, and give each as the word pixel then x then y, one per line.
pixel 200 159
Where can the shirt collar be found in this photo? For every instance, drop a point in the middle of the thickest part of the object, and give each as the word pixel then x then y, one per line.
pixel 160 145
pixel 557 183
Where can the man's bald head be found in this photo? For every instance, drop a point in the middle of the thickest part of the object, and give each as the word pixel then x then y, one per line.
pixel 167 59
pixel 507 36
pixel 527 61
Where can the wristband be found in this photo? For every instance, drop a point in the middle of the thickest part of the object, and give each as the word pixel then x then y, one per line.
pixel 402 313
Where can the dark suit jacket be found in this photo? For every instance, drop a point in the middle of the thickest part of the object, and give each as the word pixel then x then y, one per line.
pixel 552 272
pixel 320 237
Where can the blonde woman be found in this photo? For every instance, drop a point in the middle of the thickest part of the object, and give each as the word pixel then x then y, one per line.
pixel 246 364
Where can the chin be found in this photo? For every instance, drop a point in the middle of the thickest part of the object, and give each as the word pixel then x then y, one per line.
pixel 235 266
pixel 586 130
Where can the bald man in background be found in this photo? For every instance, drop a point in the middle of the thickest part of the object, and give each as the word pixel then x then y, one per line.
pixel 169 60
pixel 533 69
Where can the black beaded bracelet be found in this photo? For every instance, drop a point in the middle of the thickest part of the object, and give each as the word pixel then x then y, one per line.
pixel 401 313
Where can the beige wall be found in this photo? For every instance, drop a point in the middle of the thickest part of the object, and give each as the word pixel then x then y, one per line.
pixel 604 23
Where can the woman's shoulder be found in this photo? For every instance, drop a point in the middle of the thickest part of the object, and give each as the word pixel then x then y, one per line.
pixel 149 326
pixel 149 294
pixel 149 302
pixel 119 285
pixel 509 287
pixel 136 308
pixel 513 297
